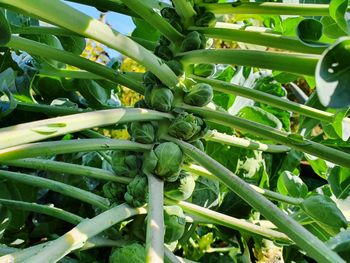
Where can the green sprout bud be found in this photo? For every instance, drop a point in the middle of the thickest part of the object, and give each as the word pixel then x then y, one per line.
pixel 159 98
pixel 204 70
pixel 176 67
pixel 114 191
pixel 141 104
pixel 137 191
pixel 186 127
pixel 134 253
pixel 182 188
pixel 142 132
pixel 164 41
pixel 125 163
pixel 164 52
pixel 150 79
pixel 199 95
pixel 168 12
pixel 192 41
pixel 206 19
pixel 174 221
pixel 176 23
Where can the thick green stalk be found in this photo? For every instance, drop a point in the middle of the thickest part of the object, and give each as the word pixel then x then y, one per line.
pixel 268 8
pixel 155 221
pixel 43 209
pixel 269 99
pixel 39 49
pixel 304 239
pixel 155 20
pixel 213 217
pixel 293 63
pixel 260 38
pixel 48 109
pixel 60 147
pixel 232 140
pixel 294 141
pixel 185 10
pixel 76 237
pixel 62 15
pixel 196 169
pixel 68 168
pixel 58 187
pixel 53 127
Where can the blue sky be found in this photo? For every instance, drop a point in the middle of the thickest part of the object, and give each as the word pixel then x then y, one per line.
pixel 121 23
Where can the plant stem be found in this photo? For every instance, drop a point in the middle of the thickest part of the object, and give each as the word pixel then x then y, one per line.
pixel 43 209
pixel 327 153
pixel 304 239
pixel 293 63
pixel 68 168
pixel 155 20
pixel 73 74
pixel 155 221
pixel 185 10
pixel 260 38
pixel 74 239
pixel 62 15
pixel 48 109
pixel 42 30
pixel 145 43
pixel 214 136
pixel 221 219
pixel 60 147
pixel 58 187
pixel 39 49
pixel 268 8
pixel 196 169
pixel 53 127
pixel 269 99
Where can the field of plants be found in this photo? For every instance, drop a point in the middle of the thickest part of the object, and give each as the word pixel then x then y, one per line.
pixel 221 133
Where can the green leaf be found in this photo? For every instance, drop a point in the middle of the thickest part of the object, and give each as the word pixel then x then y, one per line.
pixel 333 75
pixel 309 31
pixel 5 30
pixel 73 44
pixel 144 30
pixel 319 165
pixel 341 244
pixel 325 213
pixel 7 100
pixel 259 115
pixel 339 181
pixel 340 127
pixel 292 185
pixel 331 29
pixel 206 193
pixel 337 10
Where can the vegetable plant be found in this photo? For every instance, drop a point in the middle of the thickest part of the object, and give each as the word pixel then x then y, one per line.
pixel 227 142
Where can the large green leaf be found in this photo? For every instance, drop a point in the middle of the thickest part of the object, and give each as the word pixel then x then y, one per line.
pixel 341 244
pixel 206 192
pixel 5 30
pixel 339 181
pixel 309 31
pixel 337 10
pixel 333 75
pixel 290 184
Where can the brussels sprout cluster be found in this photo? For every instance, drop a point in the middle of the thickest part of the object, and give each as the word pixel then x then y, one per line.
pixel 125 163
pixel 187 127
pixel 135 253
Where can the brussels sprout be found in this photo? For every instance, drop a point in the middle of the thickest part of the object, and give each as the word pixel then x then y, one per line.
pixel 192 41
pixel 137 191
pixel 134 253
pixel 142 132
pixel 182 188
pixel 164 52
pixel 141 104
pixel 206 19
pixel 150 79
pixel 164 41
pixel 176 67
pixel 164 161
pixel 199 95
pixel 168 12
pixel 159 98
pixel 125 163
pixel 186 126
pixel 174 221
pixel 203 41
pixel 204 70
pixel 176 23
pixel 114 191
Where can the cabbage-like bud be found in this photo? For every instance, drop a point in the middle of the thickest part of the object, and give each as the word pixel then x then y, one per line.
pixel 186 127
pixel 164 161
pixel 142 132
pixel 206 19
pixel 141 104
pixel 192 41
pixel 176 23
pixel 164 41
pixel 135 253
pixel 182 188
pixel 174 222
pixel 137 191
pixel 125 163
pixel 114 191
pixel 204 70
pixel 168 12
pixel 164 52
pixel 199 95
pixel 150 79
pixel 176 67
pixel 159 97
